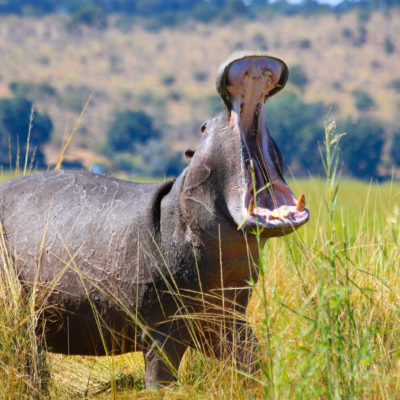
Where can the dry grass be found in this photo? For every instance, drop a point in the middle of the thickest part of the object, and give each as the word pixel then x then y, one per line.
pixel 326 317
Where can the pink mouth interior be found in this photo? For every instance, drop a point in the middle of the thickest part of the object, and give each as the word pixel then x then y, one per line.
pixel 250 81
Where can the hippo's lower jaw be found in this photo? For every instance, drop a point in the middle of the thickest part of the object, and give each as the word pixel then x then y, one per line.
pixel 278 222
pixel 275 219
pixel 268 203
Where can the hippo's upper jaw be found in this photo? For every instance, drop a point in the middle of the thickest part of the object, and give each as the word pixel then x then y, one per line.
pixel 245 82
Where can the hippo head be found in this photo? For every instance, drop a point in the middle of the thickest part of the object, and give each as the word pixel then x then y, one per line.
pixel 238 167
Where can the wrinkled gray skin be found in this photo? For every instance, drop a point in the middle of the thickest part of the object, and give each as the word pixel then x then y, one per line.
pixel 118 264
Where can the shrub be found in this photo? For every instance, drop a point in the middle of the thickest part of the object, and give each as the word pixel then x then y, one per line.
pixel 305 44
pixel 15 114
pixel 388 46
pixel 395 148
pixel 395 84
pixel 31 90
pixel 363 100
pixel 297 127
pixel 361 146
pixel 205 12
pixel 168 80
pixel 297 76
pixel 75 97
pixel 129 128
pixel 347 33
pixel 200 75
pixel 259 41
pixel 90 15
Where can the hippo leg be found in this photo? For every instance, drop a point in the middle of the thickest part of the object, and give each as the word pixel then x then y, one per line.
pixel 162 359
pixel 241 344
pixel 234 341
pixel 247 353
pixel 38 372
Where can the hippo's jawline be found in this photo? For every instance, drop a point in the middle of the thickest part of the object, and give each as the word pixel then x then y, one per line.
pixel 268 202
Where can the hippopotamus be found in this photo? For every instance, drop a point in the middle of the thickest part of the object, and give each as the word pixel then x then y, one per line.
pixel 118 266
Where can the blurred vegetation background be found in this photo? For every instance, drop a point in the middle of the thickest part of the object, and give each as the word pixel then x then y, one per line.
pixel 148 68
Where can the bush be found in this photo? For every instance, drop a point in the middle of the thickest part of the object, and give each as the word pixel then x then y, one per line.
pixel 305 44
pixel 395 84
pixel 361 146
pixel 168 80
pixel 395 148
pixel 90 15
pixel 297 76
pixel 14 129
pixel 259 41
pixel 129 128
pixel 31 90
pixel 75 97
pixel 297 128
pixel 205 12
pixel 389 46
pixel 200 75
pixel 363 100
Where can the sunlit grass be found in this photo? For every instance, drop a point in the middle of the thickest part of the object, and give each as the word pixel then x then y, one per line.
pixel 327 321
pixel 300 292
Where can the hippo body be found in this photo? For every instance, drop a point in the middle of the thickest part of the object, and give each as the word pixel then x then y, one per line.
pixel 121 266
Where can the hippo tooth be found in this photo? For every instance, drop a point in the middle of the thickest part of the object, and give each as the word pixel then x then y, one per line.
pixel 281 212
pixel 251 206
pixel 301 203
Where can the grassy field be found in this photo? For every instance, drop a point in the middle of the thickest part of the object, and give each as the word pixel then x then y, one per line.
pixel 325 312
pixel 170 73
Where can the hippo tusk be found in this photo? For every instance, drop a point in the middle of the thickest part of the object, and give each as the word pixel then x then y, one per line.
pixel 301 203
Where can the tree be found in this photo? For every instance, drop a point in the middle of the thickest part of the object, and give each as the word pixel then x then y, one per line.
pixel 395 148
pixel 363 100
pixel 14 129
pixel 297 128
pixel 129 128
pixel 361 147
pixel 90 15
pixel 297 76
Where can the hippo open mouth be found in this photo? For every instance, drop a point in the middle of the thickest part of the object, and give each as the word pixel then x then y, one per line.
pixel 245 83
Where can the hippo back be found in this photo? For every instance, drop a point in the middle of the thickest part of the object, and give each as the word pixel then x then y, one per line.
pixel 87 239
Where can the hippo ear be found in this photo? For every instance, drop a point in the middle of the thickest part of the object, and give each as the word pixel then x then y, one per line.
pixel 274 64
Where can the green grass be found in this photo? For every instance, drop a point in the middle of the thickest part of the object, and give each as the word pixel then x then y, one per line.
pixel 326 315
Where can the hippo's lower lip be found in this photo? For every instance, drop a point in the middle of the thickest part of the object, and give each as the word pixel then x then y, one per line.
pixel 287 221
